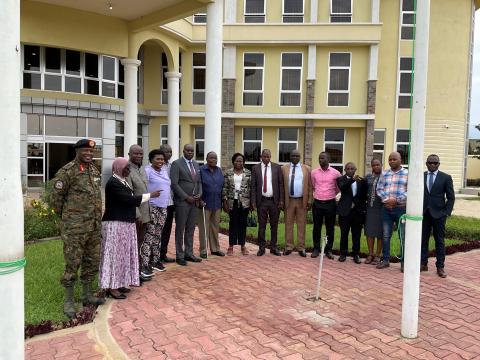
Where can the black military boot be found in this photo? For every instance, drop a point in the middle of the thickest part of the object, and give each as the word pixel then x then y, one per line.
pixel 88 297
pixel 69 305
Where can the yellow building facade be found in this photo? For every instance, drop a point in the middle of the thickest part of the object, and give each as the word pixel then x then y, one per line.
pixel 310 75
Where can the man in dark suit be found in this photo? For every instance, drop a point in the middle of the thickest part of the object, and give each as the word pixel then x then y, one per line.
pixel 351 210
pixel 267 195
pixel 187 190
pixel 438 200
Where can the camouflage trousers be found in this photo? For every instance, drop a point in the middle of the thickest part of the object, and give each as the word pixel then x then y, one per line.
pixel 81 250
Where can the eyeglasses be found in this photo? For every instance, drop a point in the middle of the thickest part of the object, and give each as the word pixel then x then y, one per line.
pixel 433 163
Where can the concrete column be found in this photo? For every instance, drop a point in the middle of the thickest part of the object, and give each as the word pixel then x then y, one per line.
pixel 131 103
pixel 230 11
pixel 228 142
pixel 308 147
pixel 375 11
pixel 173 113
pixel 213 87
pixel 310 106
pixel 313 11
pixel 371 105
pixel 11 200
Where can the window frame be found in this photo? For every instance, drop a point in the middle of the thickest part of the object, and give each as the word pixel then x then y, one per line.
pixel 325 142
pixel 201 16
pixel 293 15
pixel 194 67
pixel 279 142
pixel 299 91
pixel 399 82
pixel 382 152
pixel 330 68
pixel 339 15
pixel 114 82
pixel 253 15
pixel 163 138
pixel 198 141
pixel 251 141
pixel 407 143
pixel 263 79
pixel 404 25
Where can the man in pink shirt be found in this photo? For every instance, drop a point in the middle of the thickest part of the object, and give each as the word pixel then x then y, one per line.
pixel 324 184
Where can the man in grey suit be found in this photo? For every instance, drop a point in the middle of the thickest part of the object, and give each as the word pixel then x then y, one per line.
pixel 187 191
pixel 138 182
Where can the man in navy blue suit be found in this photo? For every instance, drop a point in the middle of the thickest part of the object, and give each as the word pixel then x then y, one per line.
pixel 438 201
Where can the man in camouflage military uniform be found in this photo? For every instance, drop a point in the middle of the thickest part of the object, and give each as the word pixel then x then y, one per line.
pixel 77 200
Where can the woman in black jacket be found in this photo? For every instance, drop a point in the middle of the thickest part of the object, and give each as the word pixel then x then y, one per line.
pixel 119 263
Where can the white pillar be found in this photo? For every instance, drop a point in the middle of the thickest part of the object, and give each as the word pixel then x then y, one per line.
pixel 213 87
pixel 11 200
pixel 131 103
pixel 373 64
pixel 173 113
pixel 230 11
pixel 313 11
pixel 312 62
pixel 375 11
pixel 413 236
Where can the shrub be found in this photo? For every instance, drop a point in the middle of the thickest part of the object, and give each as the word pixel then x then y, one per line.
pixel 40 221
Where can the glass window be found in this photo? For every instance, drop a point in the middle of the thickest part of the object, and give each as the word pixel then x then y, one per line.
pixel 72 62
pixel 199 143
pixel 341 11
pixel 119 146
pixel 403 144
pixel 35 150
pixel 31 58
pixel 91 87
pixel 200 18
pixel 53 82
pixel 61 126
pixel 339 82
pixel 108 89
pixel 253 79
pixel 32 81
pixel 119 127
pixel 73 84
pixel 408 20
pixel 199 69
pixel 108 68
pixel 52 60
pixel 91 65
pixel 379 144
pixel 164 70
pixel 254 11
pixel 287 141
pixel 293 11
pixel 406 83
pixel 94 128
pixel 252 144
pixel 334 145
pixel 291 90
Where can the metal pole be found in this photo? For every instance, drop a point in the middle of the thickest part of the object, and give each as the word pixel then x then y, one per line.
pixel 11 200
pixel 320 268
pixel 413 231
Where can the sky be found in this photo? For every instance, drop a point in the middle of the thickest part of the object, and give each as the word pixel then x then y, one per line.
pixel 475 101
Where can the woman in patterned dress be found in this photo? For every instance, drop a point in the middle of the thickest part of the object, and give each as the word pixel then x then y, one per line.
pixel 119 263
pixel 158 178
pixel 373 221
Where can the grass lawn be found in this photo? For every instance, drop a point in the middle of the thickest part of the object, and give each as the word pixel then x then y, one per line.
pixel 43 292
pixel 394 245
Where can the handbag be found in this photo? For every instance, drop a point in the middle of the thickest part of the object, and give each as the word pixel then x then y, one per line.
pixel 251 220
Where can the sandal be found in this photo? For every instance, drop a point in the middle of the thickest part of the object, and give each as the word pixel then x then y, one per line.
pixel 369 259
pixel 244 250
pixel 376 260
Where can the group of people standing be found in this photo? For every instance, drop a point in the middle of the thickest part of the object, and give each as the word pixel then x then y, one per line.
pixel 130 241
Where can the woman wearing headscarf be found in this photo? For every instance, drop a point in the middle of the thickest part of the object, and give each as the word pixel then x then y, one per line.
pixel 236 202
pixel 119 263
pixel 373 220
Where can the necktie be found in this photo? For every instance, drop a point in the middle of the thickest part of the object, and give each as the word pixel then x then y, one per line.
pixel 265 179
pixel 292 180
pixel 430 182
pixel 192 170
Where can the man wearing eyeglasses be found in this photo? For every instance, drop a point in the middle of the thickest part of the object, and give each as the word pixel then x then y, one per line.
pixel 438 200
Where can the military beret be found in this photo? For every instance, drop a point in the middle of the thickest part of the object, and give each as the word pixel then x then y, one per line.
pixel 84 143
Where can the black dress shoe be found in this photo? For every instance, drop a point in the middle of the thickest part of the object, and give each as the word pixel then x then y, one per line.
pixel 330 255
pixel 356 259
pixel 193 258
pixel 167 259
pixel 287 252
pixel 203 256
pixel 218 253
pixel 302 253
pixel 441 273
pixel 342 258
pixel 124 290
pixel 315 253
pixel 261 252
pixel 181 262
pixel 275 252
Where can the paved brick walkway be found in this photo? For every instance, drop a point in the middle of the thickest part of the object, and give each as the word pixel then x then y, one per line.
pixel 248 307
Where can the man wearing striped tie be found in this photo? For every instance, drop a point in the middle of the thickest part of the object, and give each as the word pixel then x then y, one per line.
pixel 298 200
pixel 438 200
